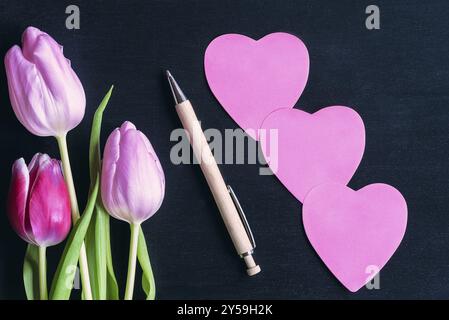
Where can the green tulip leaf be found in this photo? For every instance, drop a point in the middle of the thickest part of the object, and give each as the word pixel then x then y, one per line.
pixel 31 272
pixel 111 281
pixel 98 247
pixel 148 283
pixel 101 270
pixel 96 255
pixel 65 273
pixel 94 149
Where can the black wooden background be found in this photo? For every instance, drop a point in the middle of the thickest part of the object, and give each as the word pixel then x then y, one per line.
pixel 397 78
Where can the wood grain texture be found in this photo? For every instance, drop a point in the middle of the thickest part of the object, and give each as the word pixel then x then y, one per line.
pixel 214 178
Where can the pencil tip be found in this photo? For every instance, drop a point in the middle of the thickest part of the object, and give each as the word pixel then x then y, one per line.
pixel 178 95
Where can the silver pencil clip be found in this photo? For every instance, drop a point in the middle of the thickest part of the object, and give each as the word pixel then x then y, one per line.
pixel 242 216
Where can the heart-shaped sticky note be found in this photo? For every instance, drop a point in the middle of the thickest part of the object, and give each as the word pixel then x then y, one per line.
pixel 305 150
pixel 252 78
pixel 355 232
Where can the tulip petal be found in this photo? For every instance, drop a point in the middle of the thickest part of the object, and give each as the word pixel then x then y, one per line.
pixel 36 162
pixel 155 158
pixel 29 39
pixel 64 85
pixel 17 199
pixel 49 205
pixel 136 179
pixel 127 125
pixel 113 203
pixel 27 93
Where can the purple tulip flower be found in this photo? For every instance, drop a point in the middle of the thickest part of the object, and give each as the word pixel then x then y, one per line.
pixel 45 93
pixel 132 179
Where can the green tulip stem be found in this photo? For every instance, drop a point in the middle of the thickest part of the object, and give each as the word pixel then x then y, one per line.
pixel 43 274
pixel 84 268
pixel 135 227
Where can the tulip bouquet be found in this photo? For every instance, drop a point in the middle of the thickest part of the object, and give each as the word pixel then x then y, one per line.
pixel 128 182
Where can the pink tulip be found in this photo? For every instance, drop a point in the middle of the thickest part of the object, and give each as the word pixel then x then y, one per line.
pixel 132 179
pixel 38 201
pixel 45 93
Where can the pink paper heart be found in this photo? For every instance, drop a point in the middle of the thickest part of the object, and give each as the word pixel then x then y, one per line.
pixel 355 232
pixel 313 149
pixel 252 78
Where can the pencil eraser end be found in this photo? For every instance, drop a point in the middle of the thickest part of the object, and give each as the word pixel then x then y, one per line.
pixel 253 270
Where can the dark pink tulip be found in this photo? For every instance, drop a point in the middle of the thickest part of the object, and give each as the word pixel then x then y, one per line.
pixel 38 201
